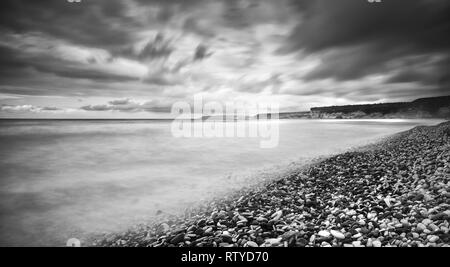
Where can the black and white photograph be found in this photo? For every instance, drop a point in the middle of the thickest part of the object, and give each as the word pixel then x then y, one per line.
pixel 237 125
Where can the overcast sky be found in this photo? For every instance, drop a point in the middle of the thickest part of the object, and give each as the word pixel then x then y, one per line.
pixel 135 58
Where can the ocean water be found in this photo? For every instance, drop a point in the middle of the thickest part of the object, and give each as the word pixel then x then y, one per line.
pixel 65 179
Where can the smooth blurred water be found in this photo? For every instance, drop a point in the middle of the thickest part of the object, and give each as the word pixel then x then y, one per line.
pixel 63 179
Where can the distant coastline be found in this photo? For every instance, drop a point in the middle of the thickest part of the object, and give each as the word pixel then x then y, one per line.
pixel 423 108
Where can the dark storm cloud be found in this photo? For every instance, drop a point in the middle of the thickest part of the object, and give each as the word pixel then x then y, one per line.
pixel 120 102
pixel 179 4
pixel 170 75
pixel 370 93
pixel 192 25
pixel 88 23
pixel 77 73
pixel 241 15
pixel 14 63
pixel 418 24
pixel 201 52
pixel 358 38
pixel 162 79
pixel 159 47
pixel 423 70
pixel 234 14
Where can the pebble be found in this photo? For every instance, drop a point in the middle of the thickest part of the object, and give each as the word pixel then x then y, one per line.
pixel 442 215
pixel 273 241
pixel 324 233
pixel 358 235
pixel 433 227
pixel 388 202
pixel 261 219
pixel 337 234
pixel 177 239
pixel 351 213
pixel 226 234
pixel 433 238
pixel 301 242
pixel 277 215
pixel 376 244
pixel 421 227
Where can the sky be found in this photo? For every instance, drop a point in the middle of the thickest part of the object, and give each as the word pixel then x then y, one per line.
pixel 136 58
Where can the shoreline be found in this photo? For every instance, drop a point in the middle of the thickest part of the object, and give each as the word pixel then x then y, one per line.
pixel 392 193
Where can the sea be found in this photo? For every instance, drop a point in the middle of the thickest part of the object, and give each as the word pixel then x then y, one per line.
pixel 62 179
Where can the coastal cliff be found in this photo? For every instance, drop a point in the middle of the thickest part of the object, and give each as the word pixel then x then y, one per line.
pixel 423 108
pixel 436 107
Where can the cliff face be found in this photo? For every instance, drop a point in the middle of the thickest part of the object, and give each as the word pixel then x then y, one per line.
pixel 436 107
pixel 295 115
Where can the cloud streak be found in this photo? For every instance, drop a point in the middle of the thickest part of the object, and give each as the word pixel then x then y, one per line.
pixel 130 106
pixel 28 108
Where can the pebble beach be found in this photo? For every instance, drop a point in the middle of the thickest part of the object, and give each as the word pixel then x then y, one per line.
pixel 395 193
